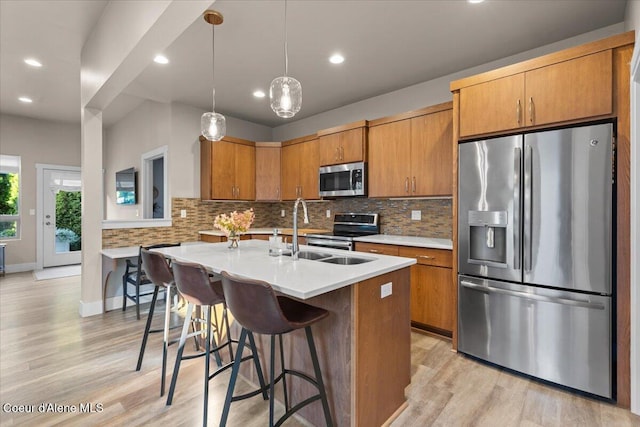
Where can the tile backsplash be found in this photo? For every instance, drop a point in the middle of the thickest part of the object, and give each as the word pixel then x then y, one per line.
pixel 395 218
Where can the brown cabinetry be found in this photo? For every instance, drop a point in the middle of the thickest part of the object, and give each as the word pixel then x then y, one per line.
pixel 300 164
pixel 227 169
pixel 411 154
pixel 267 171
pixel 343 144
pixel 432 292
pixel 569 90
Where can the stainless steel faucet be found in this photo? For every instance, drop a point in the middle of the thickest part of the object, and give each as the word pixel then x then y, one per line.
pixel 294 240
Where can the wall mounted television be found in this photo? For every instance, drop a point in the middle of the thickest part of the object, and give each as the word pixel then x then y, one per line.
pixel 126 187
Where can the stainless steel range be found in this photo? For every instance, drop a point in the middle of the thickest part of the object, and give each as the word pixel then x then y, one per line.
pixel 346 226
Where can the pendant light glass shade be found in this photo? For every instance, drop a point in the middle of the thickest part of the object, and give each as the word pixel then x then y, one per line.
pixel 213 126
pixel 286 96
pixel 285 92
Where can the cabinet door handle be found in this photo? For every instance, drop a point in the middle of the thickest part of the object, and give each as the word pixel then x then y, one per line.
pixel 341 153
pixel 237 191
pixel 337 154
pixel 277 193
pixel 406 185
pixel 426 257
pixel 374 251
pixel 518 112
pixel 531 109
pixel 233 191
pixel 413 184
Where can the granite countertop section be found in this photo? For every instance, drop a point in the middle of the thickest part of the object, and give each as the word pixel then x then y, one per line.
pixel 421 242
pixel 301 279
pixel 284 231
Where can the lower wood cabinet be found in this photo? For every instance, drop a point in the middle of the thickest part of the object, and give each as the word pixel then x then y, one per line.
pixel 432 294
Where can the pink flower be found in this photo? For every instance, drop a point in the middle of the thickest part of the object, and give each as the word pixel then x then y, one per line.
pixel 235 222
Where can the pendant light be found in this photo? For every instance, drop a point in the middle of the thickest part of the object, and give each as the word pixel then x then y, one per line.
pixel 285 92
pixel 213 125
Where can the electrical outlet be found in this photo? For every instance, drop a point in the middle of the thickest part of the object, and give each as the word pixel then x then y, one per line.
pixel 328 213
pixel 183 213
pixel 386 290
pixel 137 212
pixel 282 213
pixel 416 215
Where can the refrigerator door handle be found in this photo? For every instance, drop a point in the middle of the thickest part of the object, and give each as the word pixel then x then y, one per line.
pixel 525 295
pixel 528 208
pixel 516 207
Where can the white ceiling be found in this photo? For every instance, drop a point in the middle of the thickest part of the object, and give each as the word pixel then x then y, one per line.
pixel 388 45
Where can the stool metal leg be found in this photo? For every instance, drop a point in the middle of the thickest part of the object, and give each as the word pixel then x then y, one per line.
pixel 234 377
pixel 138 297
pixel 225 319
pixel 316 369
pixel 124 294
pixel 147 328
pixel 272 374
pixel 165 336
pixel 207 361
pixel 284 378
pixel 183 339
pixel 256 362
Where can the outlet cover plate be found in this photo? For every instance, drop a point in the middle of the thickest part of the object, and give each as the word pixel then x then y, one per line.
pixel 386 290
pixel 416 215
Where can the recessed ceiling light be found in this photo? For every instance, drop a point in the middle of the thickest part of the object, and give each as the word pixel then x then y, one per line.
pixel 336 59
pixel 475 1
pixel 160 59
pixel 259 94
pixel 33 62
pixel 25 99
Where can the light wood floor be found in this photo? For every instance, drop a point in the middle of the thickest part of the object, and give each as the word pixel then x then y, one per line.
pixel 48 354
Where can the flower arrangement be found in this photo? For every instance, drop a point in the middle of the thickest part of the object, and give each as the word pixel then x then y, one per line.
pixel 235 222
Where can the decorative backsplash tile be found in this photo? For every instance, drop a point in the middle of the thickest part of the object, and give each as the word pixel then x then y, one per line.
pixel 395 218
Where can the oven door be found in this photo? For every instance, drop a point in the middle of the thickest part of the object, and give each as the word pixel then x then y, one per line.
pixel 329 243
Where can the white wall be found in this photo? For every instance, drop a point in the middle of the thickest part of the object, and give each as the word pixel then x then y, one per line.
pixel 422 94
pixel 153 125
pixel 142 130
pixel 35 141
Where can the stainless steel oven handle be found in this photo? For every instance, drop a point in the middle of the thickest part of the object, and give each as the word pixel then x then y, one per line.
pixel 562 301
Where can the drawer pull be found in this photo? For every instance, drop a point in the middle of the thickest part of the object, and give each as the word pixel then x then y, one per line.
pixel 426 257
pixel 374 251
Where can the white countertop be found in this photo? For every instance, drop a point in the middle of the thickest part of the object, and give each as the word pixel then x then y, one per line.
pixel 131 251
pixel 301 279
pixel 422 242
pixel 302 231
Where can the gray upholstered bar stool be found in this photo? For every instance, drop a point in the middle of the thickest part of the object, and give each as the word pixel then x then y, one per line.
pixel 198 288
pixel 158 271
pixel 256 307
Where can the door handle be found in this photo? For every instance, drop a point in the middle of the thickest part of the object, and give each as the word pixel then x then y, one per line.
pixel 341 153
pixel 528 209
pixel 526 295
pixel 413 184
pixel 406 185
pixel 518 112
pixel 531 109
pixel 516 207
pixel 47 223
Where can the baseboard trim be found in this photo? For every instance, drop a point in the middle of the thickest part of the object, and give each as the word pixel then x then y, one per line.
pixel 19 268
pixel 92 308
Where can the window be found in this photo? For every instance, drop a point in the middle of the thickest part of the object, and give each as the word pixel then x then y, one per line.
pixel 9 197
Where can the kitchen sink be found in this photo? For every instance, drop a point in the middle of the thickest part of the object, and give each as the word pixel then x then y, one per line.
pixel 311 255
pixel 345 260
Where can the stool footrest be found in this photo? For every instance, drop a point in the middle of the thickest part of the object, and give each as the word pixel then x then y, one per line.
pixel 296 408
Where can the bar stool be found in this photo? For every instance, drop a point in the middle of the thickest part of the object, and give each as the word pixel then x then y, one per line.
pixel 198 288
pixel 159 273
pixel 256 307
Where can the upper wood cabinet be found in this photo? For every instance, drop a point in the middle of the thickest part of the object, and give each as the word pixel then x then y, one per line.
pixel 343 144
pixel 227 169
pixel 268 171
pixel 570 90
pixel 299 171
pixel 411 154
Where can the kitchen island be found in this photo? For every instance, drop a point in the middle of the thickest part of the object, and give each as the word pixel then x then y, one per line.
pixel 363 346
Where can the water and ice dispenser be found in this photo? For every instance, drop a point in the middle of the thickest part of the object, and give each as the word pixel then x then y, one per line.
pixel 488 238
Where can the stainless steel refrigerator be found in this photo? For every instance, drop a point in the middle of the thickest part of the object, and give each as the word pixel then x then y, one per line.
pixel 535 254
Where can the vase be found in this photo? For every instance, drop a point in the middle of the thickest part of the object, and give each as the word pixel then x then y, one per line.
pixel 233 240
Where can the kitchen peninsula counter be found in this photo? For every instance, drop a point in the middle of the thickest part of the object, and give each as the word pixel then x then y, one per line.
pixel 363 346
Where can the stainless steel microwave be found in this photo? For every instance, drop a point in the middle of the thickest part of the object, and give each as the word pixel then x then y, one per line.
pixel 349 179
